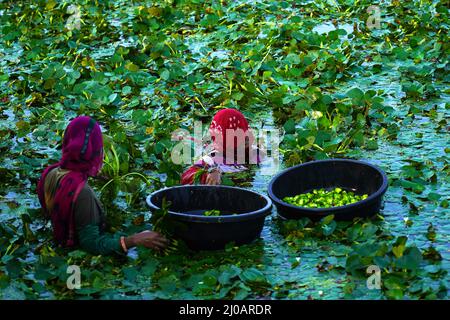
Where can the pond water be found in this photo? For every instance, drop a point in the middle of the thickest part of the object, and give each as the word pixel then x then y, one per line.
pixel 390 157
pixel 144 72
pixel 278 258
pixel 329 26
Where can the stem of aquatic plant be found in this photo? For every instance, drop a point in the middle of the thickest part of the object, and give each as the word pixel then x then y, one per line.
pixel 146 179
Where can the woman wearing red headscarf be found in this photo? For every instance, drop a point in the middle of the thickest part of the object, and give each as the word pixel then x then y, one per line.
pixel 232 149
pixel 76 214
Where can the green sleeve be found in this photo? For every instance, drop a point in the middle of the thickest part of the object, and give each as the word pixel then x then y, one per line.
pixel 94 242
pixel 87 221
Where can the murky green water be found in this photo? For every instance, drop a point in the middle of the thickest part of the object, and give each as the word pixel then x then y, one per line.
pixel 186 69
pixel 390 157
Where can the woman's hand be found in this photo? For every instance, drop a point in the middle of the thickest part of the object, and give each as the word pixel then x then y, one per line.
pixel 214 178
pixel 148 239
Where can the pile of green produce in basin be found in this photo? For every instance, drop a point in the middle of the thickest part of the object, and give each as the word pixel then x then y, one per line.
pixel 211 213
pixel 321 198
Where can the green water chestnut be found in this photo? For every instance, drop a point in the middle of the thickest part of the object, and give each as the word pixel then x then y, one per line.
pixel 211 213
pixel 321 198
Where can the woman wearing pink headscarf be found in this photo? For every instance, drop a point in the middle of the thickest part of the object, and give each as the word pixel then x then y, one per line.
pixel 232 149
pixel 76 214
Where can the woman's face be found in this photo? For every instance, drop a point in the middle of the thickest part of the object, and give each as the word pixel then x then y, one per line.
pixel 217 139
pixel 231 147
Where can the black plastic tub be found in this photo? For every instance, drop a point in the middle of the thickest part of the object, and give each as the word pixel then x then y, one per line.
pixel 357 176
pixel 241 221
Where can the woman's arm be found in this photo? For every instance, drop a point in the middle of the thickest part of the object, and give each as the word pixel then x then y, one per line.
pixel 203 172
pixel 148 239
pixel 92 240
pixel 193 174
pixel 214 177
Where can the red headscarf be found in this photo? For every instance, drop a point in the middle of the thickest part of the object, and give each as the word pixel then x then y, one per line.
pixel 223 121
pixel 82 154
pixel 229 121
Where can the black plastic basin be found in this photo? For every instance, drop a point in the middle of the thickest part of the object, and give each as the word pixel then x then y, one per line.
pixel 241 220
pixel 357 176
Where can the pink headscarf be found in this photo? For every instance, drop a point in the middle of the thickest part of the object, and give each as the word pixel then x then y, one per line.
pixel 82 154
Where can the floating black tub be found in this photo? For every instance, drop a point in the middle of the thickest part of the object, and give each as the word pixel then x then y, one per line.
pixel 241 220
pixel 357 176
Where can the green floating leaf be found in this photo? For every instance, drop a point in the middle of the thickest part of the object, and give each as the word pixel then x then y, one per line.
pixel 252 275
pixel 289 126
pixel 415 187
pixel 165 74
pixel 131 67
pixel 411 259
pixel 355 93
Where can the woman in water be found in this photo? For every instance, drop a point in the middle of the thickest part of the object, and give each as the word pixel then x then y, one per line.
pixel 66 198
pixel 232 150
